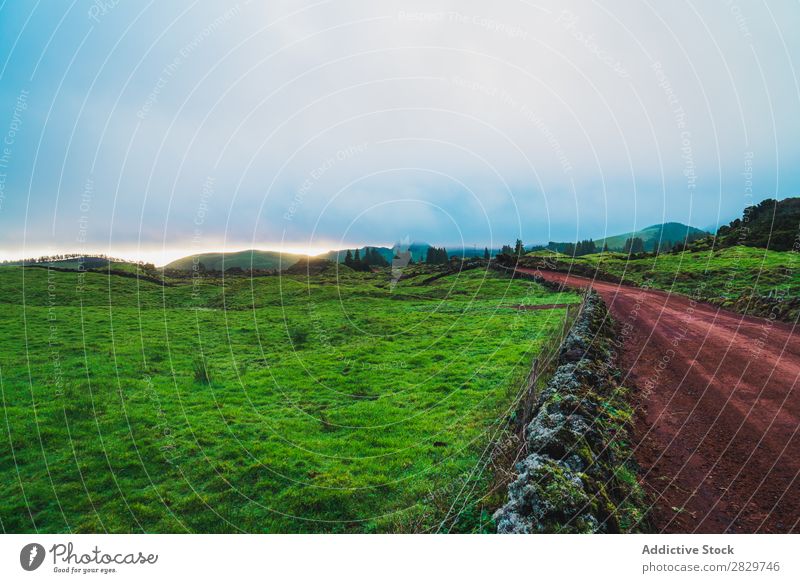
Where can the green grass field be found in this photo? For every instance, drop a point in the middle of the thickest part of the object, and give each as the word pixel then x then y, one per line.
pixel 740 278
pixel 277 404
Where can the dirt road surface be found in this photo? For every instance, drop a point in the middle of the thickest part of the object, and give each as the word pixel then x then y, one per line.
pixel 718 427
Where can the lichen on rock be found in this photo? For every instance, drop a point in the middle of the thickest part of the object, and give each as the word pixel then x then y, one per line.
pixel 576 477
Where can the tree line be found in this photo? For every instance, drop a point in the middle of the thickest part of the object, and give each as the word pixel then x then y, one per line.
pixel 372 257
pixel 85 257
pixel 632 246
pixel 437 256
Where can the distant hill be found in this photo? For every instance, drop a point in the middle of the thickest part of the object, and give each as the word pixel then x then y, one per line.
pixel 770 224
pixel 652 235
pixel 250 259
pixel 419 252
pixel 338 255
pixel 75 262
pixel 86 262
pixel 314 266
pixel 276 260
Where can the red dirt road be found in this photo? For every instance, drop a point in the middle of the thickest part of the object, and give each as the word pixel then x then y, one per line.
pixel 718 427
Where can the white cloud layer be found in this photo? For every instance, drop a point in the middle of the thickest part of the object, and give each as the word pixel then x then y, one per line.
pixel 355 121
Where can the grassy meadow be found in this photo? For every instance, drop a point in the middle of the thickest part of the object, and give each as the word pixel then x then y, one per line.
pixel 331 403
pixel 734 277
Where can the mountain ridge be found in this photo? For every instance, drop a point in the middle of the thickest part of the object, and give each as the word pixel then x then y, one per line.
pixel 660 233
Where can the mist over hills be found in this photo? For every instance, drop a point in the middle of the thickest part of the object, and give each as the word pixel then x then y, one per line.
pixel 274 260
pixel 770 224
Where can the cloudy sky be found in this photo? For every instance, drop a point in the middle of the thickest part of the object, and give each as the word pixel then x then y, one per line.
pixel 152 130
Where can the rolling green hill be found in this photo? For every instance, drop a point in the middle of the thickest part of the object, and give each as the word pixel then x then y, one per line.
pixel 653 235
pixel 770 224
pixel 250 259
pixel 748 280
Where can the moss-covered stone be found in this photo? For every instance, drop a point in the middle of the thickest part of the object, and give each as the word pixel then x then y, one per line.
pixel 579 475
pixel 547 492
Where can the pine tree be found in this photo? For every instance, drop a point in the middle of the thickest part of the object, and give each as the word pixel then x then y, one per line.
pixel 348 259
pixel 380 260
pixel 634 245
pixel 437 256
pixel 486 254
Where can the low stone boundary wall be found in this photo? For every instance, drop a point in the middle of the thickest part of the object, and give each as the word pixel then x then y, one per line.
pixel 578 476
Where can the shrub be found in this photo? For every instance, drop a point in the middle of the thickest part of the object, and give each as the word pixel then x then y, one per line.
pixel 201 372
pixel 299 337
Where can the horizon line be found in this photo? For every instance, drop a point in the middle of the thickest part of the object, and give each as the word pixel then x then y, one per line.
pixel 160 257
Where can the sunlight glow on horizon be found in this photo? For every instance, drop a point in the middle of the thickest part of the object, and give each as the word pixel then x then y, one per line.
pixel 163 256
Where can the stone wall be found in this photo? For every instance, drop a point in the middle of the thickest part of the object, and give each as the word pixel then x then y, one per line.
pixel 578 476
